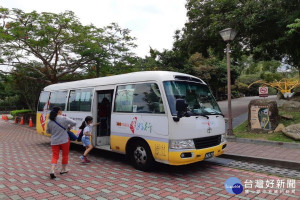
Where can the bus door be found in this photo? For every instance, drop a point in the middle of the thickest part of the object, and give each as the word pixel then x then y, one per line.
pixel 104 106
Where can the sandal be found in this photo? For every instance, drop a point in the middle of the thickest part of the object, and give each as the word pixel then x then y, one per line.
pixel 65 172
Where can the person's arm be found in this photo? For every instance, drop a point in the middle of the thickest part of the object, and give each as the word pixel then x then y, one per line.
pixel 48 128
pixel 87 133
pixel 97 124
pixel 70 122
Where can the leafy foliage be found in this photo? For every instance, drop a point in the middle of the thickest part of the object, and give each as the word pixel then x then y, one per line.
pixel 10 102
pixel 16 112
pixel 45 48
pixel 23 82
pixel 244 81
pixel 213 72
pixel 9 98
pixel 262 28
pixel 55 45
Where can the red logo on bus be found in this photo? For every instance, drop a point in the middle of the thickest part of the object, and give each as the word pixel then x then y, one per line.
pixel 133 124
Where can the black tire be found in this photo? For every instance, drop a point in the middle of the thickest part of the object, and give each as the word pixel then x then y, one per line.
pixel 141 156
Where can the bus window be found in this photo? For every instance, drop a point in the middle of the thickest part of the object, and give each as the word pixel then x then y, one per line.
pixel 80 100
pixel 44 98
pixel 58 99
pixel 198 97
pixel 124 96
pixel 139 98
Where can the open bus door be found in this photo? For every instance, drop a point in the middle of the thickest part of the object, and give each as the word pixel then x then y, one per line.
pixel 104 106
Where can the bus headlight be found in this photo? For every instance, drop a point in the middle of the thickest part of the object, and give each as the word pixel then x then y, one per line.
pixel 223 139
pixel 182 144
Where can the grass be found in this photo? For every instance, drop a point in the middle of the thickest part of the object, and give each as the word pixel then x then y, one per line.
pixel 242 130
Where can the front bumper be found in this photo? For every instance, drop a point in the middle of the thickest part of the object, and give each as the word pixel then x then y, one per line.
pixel 175 156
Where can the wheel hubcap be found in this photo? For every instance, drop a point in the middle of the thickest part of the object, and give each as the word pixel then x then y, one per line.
pixel 140 155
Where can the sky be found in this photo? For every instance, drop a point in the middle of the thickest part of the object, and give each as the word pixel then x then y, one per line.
pixel 152 22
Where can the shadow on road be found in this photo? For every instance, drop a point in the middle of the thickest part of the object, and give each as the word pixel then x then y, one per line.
pixel 158 169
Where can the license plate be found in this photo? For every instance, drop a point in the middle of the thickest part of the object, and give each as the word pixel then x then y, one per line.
pixel 209 155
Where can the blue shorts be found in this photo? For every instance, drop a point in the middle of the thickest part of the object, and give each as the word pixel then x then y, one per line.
pixel 86 141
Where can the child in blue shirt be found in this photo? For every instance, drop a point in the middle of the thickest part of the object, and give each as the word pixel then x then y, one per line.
pixel 86 126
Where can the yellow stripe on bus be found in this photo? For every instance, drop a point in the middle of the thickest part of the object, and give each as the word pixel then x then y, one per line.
pixel 159 149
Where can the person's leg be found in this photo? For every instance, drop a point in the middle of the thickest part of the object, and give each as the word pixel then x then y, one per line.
pixel 82 157
pixel 55 156
pixel 65 155
pixel 87 150
pixel 85 143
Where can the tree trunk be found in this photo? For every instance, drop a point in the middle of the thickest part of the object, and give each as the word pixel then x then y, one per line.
pixel 98 69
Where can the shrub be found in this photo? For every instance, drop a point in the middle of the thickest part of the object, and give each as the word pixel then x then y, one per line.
pixel 10 103
pixel 235 94
pixel 272 91
pixel 14 113
pixel 244 81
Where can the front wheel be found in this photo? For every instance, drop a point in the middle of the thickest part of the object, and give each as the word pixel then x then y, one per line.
pixel 141 156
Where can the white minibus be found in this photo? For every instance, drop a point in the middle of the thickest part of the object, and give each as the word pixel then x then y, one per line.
pixel 150 116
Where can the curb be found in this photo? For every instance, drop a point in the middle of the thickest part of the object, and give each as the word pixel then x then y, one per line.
pixel 264 142
pixel 263 161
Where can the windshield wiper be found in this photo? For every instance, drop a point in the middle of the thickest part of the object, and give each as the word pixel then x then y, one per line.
pixel 207 117
pixel 221 114
pixel 214 113
pixel 218 114
pixel 198 114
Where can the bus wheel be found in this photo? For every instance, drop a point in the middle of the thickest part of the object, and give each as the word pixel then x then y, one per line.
pixel 141 156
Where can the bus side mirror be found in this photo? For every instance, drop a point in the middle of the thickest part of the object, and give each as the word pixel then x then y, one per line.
pixel 181 108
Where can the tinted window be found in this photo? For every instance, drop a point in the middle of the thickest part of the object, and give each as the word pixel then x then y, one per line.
pixel 58 99
pixel 43 101
pixel 139 98
pixel 80 100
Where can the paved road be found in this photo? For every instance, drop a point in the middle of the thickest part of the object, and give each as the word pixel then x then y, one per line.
pixel 24 174
pixel 239 106
pixel 239 109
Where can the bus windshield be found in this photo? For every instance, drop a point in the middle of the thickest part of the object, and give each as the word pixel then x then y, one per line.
pixel 198 97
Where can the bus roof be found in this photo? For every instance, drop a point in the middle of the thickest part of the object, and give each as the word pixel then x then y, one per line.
pixel 120 79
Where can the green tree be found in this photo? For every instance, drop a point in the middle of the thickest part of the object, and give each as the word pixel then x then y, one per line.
pixel 244 81
pixel 27 89
pixel 59 44
pixel 167 60
pixel 293 43
pixel 3 83
pixel 9 98
pixel 261 26
pixel 110 48
pixel 54 40
pixel 294 27
pixel 212 71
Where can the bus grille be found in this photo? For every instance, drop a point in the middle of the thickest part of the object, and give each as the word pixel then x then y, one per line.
pixel 201 143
